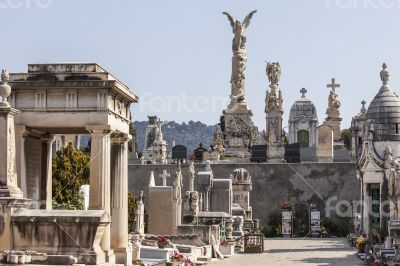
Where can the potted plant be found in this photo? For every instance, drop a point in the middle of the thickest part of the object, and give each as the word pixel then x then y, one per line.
pixel 176 259
pixel 162 242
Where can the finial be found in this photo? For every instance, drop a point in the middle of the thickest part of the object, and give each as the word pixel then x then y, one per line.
pixel 5 76
pixel 385 74
pixel 303 91
pixel 5 89
pixel 152 182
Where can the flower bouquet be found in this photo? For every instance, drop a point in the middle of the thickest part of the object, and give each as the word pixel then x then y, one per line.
pixel 286 206
pixel 162 242
pixel 176 258
pixel 360 243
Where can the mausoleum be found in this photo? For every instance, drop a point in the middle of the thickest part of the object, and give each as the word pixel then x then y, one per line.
pixel 303 122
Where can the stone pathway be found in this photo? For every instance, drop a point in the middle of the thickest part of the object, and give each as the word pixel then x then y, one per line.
pixel 287 252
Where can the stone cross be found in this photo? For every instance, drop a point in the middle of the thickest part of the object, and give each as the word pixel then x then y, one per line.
pixel 303 91
pixel 164 177
pixel 333 85
pixel 363 104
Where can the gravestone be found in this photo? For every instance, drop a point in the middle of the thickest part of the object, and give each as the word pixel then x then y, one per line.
pixel 292 153
pixel 324 143
pixel 179 152
pixel 259 153
pixel 165 205
pixel 221 196
pixel 308 154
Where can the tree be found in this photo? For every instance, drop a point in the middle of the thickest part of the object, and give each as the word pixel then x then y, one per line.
pixel 131 211
pixel 70 171
pixel 346 136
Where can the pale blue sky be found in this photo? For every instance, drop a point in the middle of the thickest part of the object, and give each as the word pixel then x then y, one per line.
pixel 181 50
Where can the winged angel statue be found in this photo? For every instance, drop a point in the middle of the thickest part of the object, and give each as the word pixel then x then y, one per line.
pixel 239 28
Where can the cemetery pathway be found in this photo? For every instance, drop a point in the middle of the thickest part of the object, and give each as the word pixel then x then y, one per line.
pixel 287 252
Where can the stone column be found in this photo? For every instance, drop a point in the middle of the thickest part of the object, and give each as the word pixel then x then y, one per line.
pixel 48 143
pixel 20 136
pixel 99 198
pixel 119 201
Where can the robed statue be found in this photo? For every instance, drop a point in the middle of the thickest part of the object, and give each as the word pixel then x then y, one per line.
pixel 273 70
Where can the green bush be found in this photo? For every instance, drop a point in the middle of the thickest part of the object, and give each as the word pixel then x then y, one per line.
pixel 274 225
pixel 337 226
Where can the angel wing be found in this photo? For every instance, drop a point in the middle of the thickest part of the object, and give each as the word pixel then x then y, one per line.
pixel 246 21
pixel 231 19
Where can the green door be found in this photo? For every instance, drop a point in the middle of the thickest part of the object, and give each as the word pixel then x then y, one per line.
pixel 303 137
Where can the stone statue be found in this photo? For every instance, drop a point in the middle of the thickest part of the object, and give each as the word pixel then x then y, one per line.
pixel 273 70
pixel 178 183
pixel 192 172
pixel 239 28
pixel 239 59
pixel 218 133
pixel 385 74
pixel 333 102
pixel 194 203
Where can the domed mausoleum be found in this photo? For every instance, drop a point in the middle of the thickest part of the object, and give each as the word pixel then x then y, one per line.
pixel 380 149
pixel 303 122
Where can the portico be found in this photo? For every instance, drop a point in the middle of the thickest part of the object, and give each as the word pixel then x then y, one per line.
pixel 76 98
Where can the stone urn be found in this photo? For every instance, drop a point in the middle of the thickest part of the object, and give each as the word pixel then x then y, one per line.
pixel 5 91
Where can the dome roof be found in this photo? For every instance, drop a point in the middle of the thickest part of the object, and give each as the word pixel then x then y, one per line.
pixel 303 108
pixel 384 110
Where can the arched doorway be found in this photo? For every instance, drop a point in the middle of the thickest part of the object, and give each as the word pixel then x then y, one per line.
pixel 303 137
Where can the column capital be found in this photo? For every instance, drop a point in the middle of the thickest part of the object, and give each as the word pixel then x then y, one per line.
pixel 99 129
pixel 21 130
pixel 48 138
pixel 120 138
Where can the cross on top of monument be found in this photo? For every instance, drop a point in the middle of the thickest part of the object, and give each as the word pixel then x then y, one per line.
pixel 363 103
pixel 164 176
pixel 303 92
pixel 333 85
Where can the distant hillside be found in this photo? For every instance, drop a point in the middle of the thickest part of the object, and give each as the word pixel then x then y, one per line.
pixel 187 134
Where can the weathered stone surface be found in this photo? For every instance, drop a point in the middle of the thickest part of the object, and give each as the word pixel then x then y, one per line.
pixel 272 183
pixel 57 232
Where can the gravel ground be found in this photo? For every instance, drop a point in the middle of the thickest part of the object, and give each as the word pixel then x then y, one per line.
pixel 287 252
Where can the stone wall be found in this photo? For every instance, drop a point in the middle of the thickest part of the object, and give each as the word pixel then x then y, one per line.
pixel 273 184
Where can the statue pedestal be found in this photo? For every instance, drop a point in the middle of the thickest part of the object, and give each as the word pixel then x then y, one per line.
pixel 333 120
pixel 8 173
pixel 239 131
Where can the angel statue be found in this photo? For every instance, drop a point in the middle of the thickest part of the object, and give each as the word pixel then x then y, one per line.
pixel 273 70
pixel 239 28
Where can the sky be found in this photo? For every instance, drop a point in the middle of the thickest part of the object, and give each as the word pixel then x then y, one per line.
pixel 176 54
